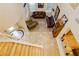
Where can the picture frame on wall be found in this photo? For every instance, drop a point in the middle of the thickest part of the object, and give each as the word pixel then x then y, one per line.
pixel 40 5
pixel 64 19
pixel 57 11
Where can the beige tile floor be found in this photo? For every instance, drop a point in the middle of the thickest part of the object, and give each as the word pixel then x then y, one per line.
pixel 42 26
pixel 43 36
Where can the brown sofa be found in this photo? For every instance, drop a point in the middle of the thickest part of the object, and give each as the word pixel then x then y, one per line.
pixel 39 14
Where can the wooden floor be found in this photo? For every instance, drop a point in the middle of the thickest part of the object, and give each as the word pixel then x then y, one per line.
pixel 17 49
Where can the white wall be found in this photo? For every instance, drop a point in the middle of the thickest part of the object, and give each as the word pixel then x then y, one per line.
pixel 10 14
pixel 27 11
pixel 73 24
pixel 69 12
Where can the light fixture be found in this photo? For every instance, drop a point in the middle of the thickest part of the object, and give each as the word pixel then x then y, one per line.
pixel 17 34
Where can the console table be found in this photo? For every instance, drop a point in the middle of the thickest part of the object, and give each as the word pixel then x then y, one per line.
pixel 57 28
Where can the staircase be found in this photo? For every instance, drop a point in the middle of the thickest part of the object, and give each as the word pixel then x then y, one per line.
pixel 17 49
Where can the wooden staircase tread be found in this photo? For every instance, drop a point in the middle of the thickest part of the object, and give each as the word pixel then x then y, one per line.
pixel 17 49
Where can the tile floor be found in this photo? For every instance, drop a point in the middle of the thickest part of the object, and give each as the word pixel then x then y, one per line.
pixel 43 36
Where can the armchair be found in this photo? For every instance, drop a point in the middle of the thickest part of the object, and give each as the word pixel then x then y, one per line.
pixel 50 21
pixel 31 24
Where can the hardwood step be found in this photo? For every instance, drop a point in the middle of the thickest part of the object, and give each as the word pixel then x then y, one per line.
pixel 17 49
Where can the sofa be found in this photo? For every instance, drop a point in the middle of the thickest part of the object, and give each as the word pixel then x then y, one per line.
pixel 38 14
pixel 50 21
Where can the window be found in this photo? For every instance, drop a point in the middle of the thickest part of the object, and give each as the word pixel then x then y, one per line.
pixel 48 6
pixel 33 6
